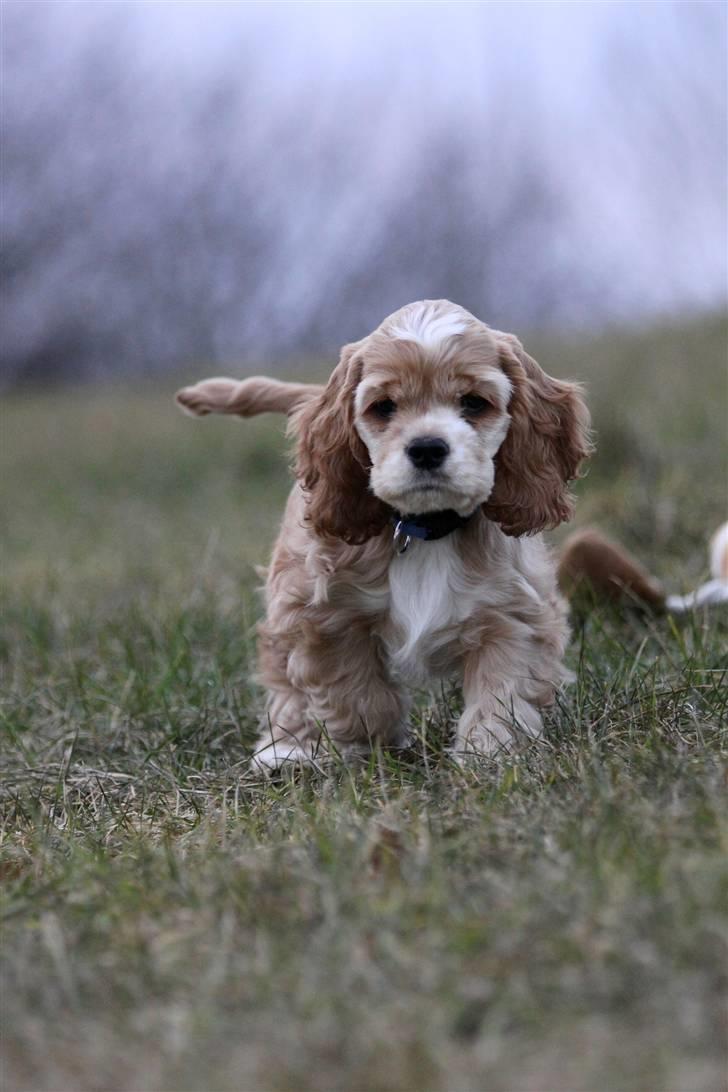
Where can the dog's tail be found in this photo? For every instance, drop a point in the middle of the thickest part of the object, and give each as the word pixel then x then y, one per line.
pixel 245 397
pixel 590 559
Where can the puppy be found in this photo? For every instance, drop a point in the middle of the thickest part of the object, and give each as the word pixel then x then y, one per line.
pixel 608 571
pixel 410 547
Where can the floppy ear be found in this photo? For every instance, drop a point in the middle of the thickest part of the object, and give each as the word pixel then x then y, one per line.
pixel 547 440
pixel 332 461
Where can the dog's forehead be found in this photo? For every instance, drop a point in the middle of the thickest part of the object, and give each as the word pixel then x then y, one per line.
pixel 471 354
pixel 428 321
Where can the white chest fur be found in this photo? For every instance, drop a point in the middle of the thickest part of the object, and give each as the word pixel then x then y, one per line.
pixel 429 595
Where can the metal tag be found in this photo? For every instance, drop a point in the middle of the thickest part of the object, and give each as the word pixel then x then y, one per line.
pixel 401 540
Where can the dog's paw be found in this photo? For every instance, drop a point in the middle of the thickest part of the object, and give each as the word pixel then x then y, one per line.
pixel 282 753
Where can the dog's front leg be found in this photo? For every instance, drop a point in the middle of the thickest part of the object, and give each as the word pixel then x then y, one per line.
pixel 501 709
pixel 330 691
pixel 351 695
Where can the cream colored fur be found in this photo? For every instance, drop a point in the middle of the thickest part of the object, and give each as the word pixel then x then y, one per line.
pixel 351 627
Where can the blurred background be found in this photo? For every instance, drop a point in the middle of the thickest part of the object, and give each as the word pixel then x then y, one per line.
pixel 226 184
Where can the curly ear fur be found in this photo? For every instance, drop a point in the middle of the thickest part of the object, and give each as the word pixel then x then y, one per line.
pixel 547 440
pixel 332 461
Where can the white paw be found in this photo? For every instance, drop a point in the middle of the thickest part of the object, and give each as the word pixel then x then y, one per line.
pixel 272 756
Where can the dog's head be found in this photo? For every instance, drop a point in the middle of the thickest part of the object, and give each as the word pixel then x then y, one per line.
pixel 436 411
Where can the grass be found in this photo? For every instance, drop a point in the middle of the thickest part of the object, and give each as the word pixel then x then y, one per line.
pixel 551 921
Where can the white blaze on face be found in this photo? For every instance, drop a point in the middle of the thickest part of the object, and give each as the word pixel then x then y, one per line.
pixel 426 327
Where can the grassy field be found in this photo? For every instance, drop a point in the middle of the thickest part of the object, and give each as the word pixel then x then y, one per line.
pixel 554 921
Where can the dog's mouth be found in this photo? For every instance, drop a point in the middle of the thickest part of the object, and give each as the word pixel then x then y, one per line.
pixel 422 491
pixel 426 497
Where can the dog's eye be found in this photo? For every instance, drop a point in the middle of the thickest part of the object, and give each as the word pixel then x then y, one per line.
pixel 383 409
pixel 473 404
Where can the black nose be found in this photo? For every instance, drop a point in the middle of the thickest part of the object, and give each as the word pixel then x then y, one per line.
pixel 428 452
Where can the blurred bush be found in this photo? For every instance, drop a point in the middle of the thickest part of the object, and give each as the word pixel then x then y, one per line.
pixel 216 182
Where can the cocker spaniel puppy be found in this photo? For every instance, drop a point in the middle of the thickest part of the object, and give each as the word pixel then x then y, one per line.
pixel 410 546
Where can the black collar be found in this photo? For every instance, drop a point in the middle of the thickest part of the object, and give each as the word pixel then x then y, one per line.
pixel 429 526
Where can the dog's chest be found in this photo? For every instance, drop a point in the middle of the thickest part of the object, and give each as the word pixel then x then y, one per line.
pixel 430 597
